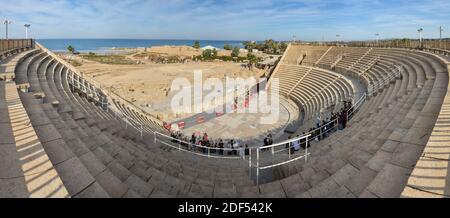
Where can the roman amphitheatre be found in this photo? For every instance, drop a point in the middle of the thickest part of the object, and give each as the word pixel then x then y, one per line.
pixel 359 119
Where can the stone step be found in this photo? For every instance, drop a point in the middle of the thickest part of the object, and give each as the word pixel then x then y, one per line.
pixel 26 170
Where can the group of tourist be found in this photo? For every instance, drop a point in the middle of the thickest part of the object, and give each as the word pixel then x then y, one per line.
pixel 335 121
pixel 202 142
pixel 323 128
pixel 295 146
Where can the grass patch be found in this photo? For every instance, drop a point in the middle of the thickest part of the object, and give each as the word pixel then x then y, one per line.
pixel 109 59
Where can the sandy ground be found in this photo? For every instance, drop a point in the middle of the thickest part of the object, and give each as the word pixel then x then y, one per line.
pixel 148 85
pixel 246 127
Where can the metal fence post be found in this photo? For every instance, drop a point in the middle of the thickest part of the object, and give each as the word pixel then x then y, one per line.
pixel 289 149
pixel 306 150
pixel 250 162
pixel 257 166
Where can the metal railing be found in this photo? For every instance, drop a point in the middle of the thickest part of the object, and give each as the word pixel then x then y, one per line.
pixel 321 132
pixel 356 106
pixel 129 121
pixel 396 71
pixel 303 141
pixel 287 146
pixel 291 146
pixel 100 91
pixel 214 152
pixel 210 152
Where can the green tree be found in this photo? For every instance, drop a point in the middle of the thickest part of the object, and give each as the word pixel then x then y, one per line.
pixel 209 54
pixel 252 60
pixel 196 44
pixel 227 47
pixel 70 49
pixel 269 46
pixel 283 46
pixel 235 52
pixel 250 45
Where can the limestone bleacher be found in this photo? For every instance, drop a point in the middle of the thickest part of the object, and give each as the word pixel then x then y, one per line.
pixel 92 153
pixel 372 64
pixel 137 118
pixel 332 57
pixel 294 55
pixel 94 158
pixel 430 175
pixel 313 54
pixel 376 154
pixel 24 165
pixel 352 57
pixel 312 88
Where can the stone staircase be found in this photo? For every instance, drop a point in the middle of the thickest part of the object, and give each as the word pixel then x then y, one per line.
pixel 25 167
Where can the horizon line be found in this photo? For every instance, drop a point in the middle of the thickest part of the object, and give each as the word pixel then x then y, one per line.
pixel 236 40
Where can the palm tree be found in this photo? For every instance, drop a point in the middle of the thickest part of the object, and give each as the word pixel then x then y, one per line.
pixel 70 49
pixel 196 44
pixel 283 46
pixel 247 44
pixel 270 46
pixel 251 60
pixel 235 52
pixel 227 47
pixel 250 45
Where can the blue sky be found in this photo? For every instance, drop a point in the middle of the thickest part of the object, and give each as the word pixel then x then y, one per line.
pixel 226 19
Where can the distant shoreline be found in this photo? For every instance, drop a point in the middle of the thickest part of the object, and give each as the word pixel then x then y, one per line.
pixel 110 45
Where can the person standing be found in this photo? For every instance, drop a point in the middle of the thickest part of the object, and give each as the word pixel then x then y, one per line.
pixel 297 144
pixel 289 144
pixel 221 146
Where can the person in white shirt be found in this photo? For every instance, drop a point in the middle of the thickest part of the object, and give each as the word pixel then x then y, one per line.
pixel 296 144
pixel 235 146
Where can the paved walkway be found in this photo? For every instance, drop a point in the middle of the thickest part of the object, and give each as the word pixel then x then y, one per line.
pixel 25 169
pixel 245 127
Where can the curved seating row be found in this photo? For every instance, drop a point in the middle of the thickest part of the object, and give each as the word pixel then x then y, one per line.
pixel 376 154
pixel 313 54
pixel 25 169
pixel 293 55
pixel 312 88
pixel 96 157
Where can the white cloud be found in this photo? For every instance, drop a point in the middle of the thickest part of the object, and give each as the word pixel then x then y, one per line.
pixel 225 19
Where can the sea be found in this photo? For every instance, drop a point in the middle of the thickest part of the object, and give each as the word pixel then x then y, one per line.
pixel 102 46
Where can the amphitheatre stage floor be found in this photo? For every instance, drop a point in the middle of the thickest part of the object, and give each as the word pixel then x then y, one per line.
pixel 244 127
